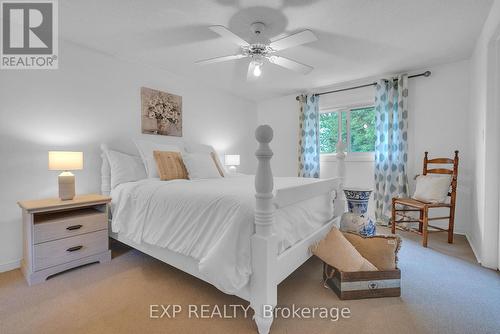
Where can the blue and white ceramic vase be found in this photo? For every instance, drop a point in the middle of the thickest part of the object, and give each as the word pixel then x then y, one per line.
pixel 357 203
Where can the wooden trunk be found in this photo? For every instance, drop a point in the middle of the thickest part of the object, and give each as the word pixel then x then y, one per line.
pixel 362 284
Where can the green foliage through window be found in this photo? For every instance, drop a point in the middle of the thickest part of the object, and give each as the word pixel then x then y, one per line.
pixel 361 131
pixel 328 132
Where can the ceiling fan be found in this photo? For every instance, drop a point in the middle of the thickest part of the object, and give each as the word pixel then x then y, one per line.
pixel 262 50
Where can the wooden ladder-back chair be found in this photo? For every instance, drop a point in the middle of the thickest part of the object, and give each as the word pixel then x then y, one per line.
pixel 413 205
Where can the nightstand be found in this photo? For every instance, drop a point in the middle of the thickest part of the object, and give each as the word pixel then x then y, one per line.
pixel 60 235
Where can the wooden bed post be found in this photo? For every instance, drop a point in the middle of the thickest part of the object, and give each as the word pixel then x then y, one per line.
pixel 263 287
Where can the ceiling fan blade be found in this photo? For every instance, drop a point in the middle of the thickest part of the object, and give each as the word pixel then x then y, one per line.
pixel 228 34
pixel 250 75
pixel 291 64
pixel 219 59
pixel 299 38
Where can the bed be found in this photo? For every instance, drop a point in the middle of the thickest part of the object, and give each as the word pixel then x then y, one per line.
pixel 243 234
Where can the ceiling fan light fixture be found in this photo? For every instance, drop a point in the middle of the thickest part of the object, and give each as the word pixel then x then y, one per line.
pixel 257 71
pixel 260 49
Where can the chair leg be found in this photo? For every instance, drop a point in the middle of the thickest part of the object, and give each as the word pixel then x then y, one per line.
pixel 425 221
pixel 393 218
pixel 451 225
pixel 421 219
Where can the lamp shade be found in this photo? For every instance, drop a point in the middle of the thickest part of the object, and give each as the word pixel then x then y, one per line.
pixel 63 160
pixel 232 160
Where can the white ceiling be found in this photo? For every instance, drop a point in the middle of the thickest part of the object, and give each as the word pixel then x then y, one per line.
pixel 357 38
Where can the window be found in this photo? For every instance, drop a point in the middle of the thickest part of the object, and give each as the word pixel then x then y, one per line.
pixel 355 126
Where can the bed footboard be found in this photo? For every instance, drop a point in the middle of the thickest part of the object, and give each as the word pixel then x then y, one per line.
pixel 268 269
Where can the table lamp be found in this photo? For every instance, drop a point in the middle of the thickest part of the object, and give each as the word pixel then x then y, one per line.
pixel 66 161
pixel 232 160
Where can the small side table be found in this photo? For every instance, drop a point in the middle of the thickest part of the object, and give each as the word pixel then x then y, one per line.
pixel 60 235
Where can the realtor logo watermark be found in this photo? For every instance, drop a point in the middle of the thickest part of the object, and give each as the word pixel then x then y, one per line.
pixel 29 35
pixel 207 311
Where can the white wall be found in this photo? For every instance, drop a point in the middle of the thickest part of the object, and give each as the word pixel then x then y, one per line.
pixel 438 122
pixel 282 114
pixel 484 230
pixel 94 98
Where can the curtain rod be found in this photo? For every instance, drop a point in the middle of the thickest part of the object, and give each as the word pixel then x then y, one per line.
pixel 424 74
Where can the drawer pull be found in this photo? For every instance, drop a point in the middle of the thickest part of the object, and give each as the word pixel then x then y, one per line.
pixel 74 227
pixel 74 249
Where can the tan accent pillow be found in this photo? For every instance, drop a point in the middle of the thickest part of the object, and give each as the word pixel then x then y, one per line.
pixel 336 251
pixel 170 165
pixel 380 250
pixel 217 163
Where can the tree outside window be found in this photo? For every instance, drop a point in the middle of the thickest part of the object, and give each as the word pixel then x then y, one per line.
pixel 355 126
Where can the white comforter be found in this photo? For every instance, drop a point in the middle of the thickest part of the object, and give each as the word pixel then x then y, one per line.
pixel 211 220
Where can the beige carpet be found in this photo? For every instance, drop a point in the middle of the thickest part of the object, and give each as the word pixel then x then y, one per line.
pixel 444 291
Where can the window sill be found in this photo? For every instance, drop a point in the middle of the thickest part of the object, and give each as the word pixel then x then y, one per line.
pixel 350 157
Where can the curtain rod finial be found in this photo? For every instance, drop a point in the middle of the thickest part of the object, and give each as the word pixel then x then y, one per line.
pixel 427 73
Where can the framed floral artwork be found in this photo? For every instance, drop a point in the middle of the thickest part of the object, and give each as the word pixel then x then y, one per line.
pixel 161 113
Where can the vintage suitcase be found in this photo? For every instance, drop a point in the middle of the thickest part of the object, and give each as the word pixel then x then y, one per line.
pixel 362 284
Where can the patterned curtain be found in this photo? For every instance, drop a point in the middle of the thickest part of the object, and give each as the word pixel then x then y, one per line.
pixel 391 146
pixel 309 136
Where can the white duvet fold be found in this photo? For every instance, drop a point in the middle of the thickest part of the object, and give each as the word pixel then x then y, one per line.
pixel 211 220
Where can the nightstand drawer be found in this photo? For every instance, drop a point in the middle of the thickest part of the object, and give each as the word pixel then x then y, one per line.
pixel 57 252
pixel 53 226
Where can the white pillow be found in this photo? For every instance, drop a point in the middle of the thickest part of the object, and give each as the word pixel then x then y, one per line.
pixel 200 166
pixel 201 148
pixel 124 168
pixel 432 188
pixel 198 148
pixel 146 149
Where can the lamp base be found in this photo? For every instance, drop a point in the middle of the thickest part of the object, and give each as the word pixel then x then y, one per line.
pixel 66 186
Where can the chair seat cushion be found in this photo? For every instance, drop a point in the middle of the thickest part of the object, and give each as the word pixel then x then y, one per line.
pixel 419 204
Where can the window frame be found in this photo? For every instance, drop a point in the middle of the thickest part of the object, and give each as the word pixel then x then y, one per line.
pixel 350 156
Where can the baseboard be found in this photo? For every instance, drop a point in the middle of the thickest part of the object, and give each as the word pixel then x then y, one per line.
pixel 10 266
pixel 471 244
